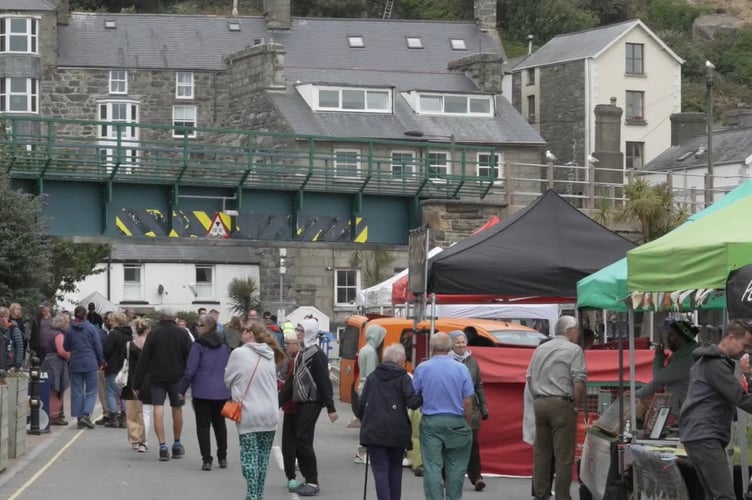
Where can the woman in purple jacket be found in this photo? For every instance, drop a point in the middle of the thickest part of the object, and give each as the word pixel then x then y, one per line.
pixel 204 374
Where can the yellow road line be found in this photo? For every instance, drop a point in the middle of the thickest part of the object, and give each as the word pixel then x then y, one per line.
pixel 46 466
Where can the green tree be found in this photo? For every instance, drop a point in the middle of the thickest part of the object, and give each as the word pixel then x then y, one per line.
pixel 71 263
pixel 243 295
pixel 329 8
pixel 652 207
pixel 25 264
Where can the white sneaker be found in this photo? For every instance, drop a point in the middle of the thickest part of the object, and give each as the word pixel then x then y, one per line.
pixel 406 462
pixel 359 459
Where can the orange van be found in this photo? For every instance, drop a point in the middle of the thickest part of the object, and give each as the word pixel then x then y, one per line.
pixel 402 330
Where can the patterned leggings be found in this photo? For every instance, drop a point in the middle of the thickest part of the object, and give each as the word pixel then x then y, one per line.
pixel 255 448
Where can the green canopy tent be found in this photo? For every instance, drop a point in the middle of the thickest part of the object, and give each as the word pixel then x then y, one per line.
pixel 607 288
pixel 697 255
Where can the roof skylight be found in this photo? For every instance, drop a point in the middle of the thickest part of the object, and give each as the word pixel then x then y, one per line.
pixel 110 24
pixel 233 25
pixel 414 42
pixel 457 44
pixel 356 42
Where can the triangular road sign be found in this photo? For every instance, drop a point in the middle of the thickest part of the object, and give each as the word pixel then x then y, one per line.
pixel 218 228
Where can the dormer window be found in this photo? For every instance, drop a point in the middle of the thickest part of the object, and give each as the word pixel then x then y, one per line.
pixel 450 104
pixel 350 99
pixel 356 42
pixel 19 34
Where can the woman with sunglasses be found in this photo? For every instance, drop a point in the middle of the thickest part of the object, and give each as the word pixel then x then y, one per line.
pixel 204 374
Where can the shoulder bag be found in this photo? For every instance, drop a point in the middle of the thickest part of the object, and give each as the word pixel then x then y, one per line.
pixel 233 409
pixel 121 379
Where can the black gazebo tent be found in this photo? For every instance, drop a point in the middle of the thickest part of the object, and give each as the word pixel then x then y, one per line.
pixel 540 251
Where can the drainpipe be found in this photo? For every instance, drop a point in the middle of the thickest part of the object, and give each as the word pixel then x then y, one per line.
pixel 109 266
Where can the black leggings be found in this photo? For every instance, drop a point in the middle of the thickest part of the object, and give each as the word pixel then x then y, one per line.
pixel 208 414
pixel 308 414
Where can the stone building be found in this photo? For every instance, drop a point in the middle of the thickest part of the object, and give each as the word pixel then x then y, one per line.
pixel 319 136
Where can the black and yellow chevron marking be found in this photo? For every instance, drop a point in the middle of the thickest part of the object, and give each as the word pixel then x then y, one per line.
pixel 195 224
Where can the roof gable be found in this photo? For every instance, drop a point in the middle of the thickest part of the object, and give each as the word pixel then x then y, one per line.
pixel 587 44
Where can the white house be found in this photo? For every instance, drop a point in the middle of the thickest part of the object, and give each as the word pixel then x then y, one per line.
pixel 558 87
pixel 181 277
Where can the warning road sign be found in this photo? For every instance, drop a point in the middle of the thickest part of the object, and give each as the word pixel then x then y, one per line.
pixel 218 228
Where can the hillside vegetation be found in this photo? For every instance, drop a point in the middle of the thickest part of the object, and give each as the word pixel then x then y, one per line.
pixel 543 19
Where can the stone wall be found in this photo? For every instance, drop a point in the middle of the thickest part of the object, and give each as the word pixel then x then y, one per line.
pixel 309 280
pixel 451 221
pixel 562 103
pixel 483 69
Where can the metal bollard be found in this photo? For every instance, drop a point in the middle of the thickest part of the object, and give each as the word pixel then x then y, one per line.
pixel 35 374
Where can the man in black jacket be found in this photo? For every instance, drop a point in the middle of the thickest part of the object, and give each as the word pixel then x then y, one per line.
pixel 705 420
pixel 163 359
pixel 385 428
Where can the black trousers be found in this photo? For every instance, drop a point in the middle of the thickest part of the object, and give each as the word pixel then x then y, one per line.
pixel 208 414
pixel 308 414
pixel 289 444
pixel 473 466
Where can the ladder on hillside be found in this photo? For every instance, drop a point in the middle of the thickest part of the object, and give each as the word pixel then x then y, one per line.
pixel 388 9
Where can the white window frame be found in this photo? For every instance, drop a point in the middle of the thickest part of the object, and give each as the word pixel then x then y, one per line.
pixel 407 170
pixel 114 112
pixel 118 82
pixel 30 94
pixel 340 104
pixel 631 59
pixel 483 164
pixel 31 34
pixel 446 166
pixel 348 166
pixel 184 89
pixel 346 286
pixel 133 290
pixel 414 42
pixel 205 289
pixel 175 132
pixel 442 97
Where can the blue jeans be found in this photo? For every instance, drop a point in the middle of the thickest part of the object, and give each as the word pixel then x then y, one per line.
pixel 111 393
pixel 83 393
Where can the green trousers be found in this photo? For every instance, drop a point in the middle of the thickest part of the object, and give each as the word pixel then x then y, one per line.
pixel 555 436
pixel 445 442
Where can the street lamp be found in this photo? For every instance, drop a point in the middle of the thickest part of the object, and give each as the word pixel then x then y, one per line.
pixel 709 119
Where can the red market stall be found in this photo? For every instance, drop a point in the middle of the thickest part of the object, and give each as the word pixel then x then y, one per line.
pixel 503 371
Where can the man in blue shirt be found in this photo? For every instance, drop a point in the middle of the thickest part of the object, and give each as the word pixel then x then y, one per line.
pixel 445 435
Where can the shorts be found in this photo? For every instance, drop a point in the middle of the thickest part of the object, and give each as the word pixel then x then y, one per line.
pixel 160 391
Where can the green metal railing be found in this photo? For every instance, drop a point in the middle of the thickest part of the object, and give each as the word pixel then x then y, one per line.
pixel 98 151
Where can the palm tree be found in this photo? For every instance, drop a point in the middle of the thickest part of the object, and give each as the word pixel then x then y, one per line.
pixel 243 295
pixel 653 207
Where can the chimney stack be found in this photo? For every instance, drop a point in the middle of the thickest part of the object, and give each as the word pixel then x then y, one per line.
pixel 277 14
pixel 63 12
pixel 741 117
pixel 607 147
pixel 485 14
pixel 685 126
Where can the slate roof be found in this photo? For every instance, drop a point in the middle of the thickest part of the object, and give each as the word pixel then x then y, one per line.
pixel 585 44
pixel 507 127
pixel 181 252
pixel 730 146
pixel 34 5
pixel 200 42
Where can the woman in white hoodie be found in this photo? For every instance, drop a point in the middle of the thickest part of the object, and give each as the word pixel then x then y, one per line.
pixel 254 366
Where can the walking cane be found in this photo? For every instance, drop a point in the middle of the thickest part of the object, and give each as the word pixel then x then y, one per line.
pixel 365 482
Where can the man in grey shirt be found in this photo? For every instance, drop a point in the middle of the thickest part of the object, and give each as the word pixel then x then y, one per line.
pixel 556 377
